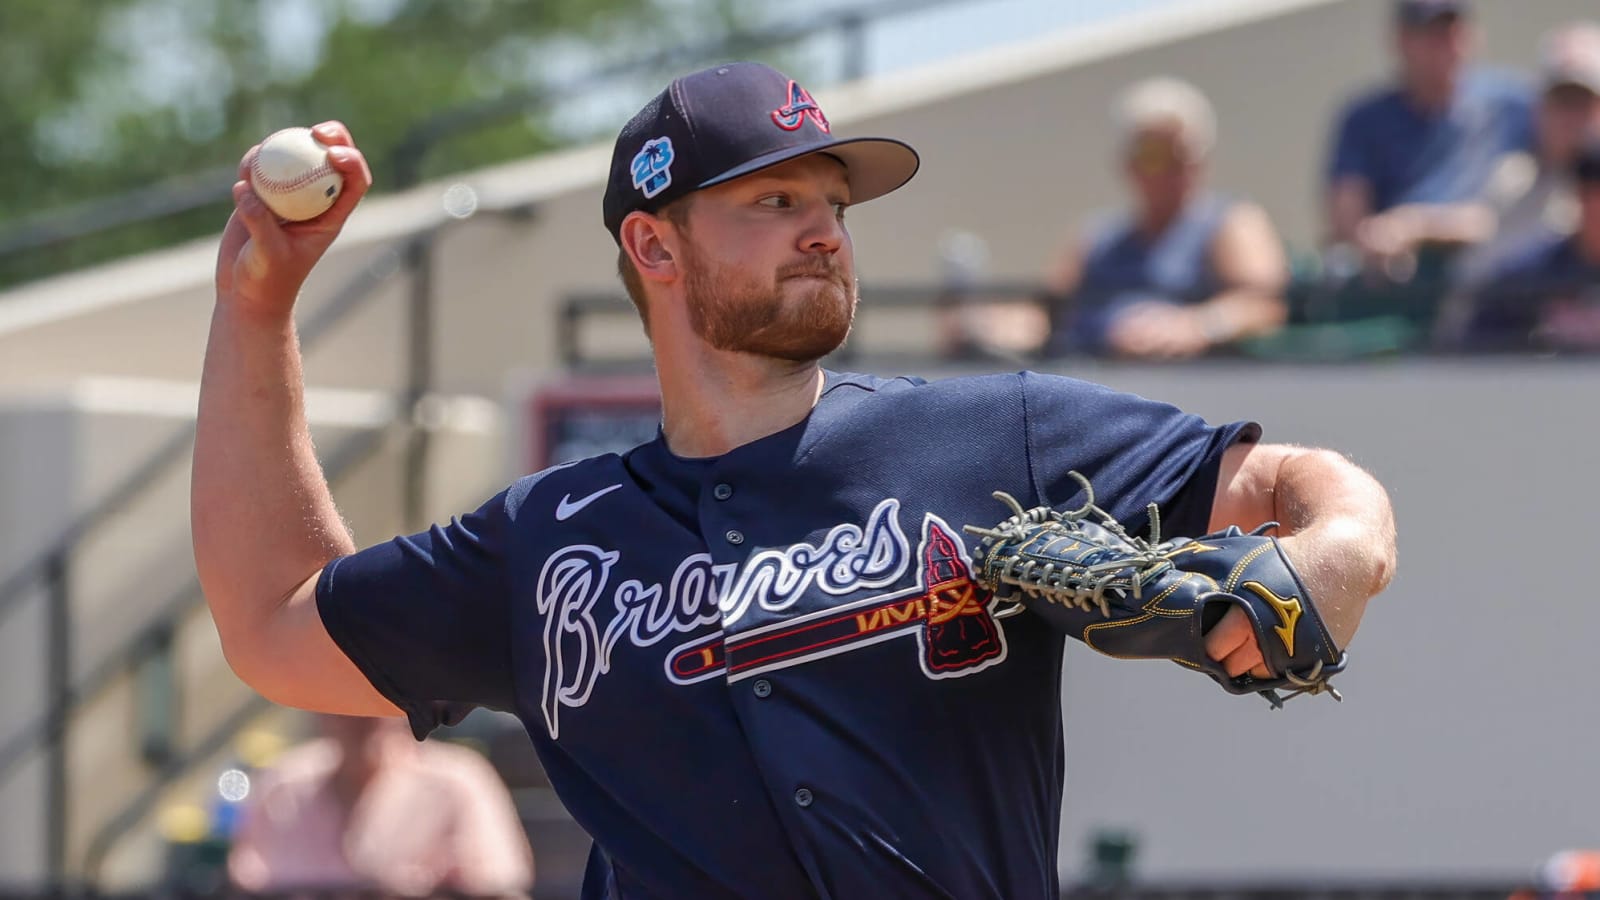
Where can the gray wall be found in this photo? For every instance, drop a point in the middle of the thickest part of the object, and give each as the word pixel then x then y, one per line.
pixel 1467 739
pixel 61 450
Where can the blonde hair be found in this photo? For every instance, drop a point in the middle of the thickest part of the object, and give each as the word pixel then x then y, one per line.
pixel 1164 102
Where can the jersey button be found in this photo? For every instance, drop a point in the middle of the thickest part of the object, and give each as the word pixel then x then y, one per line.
pixel 763 688
pixel 803 798
pixel 734 537
pixel 722 491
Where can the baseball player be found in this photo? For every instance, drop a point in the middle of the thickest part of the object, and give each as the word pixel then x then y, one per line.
pixel 751 653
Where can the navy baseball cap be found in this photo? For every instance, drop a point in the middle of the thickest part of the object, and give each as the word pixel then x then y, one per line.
pixel 1426 12
pixel 728 121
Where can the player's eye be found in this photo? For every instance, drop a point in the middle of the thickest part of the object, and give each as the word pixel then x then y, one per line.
pixel 838 210
pixel 776 201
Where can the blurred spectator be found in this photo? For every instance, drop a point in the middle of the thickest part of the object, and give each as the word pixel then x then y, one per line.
pixel 1547 297
pixel 979 318
pixel 1184 270
pixel 1568 874
pixel 1532 195
pixel 366 808
pixel 1410 163
pixel 1572 873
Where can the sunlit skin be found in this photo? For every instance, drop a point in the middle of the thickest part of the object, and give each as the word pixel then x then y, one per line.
pixel 764 263
pixel 747 286
pixel 1164 172
pixel 363 745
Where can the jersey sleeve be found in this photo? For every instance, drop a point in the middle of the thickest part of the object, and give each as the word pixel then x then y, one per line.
pixel 426 617
pixel 1134 452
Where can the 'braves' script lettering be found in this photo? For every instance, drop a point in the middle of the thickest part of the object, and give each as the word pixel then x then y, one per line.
pixel 578 646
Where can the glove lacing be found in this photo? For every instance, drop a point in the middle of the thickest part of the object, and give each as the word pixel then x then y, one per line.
pixel 1084 587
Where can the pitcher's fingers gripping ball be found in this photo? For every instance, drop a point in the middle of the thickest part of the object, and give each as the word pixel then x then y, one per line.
pixel 1146 599
pixel 292 175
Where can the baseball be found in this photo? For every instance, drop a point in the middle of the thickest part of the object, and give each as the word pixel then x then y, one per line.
pixel 292 175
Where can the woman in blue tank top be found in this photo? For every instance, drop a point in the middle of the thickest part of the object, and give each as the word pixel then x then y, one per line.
pixel 1183 270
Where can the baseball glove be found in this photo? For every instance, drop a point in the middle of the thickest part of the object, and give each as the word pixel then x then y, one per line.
pixel 1134 598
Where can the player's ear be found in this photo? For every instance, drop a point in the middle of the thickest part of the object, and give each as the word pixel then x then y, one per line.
pixel 646 240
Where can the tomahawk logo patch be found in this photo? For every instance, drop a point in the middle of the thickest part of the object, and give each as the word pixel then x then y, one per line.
pixel 951 618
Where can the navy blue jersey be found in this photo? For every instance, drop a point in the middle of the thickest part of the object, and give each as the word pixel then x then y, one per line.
pixel 769 674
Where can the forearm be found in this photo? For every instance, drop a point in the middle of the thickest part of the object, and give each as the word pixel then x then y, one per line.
pixel 1349 204
pixel 1339 531
pixel 1445 223
pixel 263 519
pixel 1241 312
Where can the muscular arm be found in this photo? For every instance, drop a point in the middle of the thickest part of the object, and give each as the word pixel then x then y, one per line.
pixel 1249 260
pixel 263 520
pixel 1403 228
pixel 1336 526
pixel 1415 224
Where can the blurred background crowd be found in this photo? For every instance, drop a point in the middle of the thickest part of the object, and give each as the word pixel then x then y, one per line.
pixel 1461 213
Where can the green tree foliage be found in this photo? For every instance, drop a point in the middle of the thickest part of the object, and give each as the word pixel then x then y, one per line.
pixel 100 97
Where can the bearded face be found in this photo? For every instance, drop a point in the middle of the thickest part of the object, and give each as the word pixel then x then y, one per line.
pixel 800 313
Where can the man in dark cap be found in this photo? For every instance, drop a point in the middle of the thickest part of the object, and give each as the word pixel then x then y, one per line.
pixel 1409 163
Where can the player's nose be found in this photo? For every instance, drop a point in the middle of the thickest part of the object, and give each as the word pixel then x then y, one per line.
pixel 825 232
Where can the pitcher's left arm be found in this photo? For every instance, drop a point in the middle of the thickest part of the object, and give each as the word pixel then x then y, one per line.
pixel 1337 527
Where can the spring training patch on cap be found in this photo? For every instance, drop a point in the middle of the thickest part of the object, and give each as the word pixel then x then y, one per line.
pixel 652 166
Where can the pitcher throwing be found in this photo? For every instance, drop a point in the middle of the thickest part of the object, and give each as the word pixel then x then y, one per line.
pixel 754 654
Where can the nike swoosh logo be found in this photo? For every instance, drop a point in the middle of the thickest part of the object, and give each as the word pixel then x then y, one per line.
pixel 569 507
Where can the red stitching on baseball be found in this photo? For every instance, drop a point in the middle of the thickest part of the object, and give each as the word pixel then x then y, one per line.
pixel 257 176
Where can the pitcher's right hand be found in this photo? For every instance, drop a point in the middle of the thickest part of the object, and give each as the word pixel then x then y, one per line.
pixel 263 261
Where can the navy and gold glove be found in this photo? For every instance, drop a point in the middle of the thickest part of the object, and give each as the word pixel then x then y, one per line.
pixel 1146 599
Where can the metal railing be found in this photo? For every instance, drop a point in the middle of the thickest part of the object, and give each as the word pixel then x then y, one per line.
pixel 53 566
pixel 1331 319
pixel 341 463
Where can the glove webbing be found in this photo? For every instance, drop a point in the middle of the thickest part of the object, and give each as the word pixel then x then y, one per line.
pixel 1082 586
pixel 1085 587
